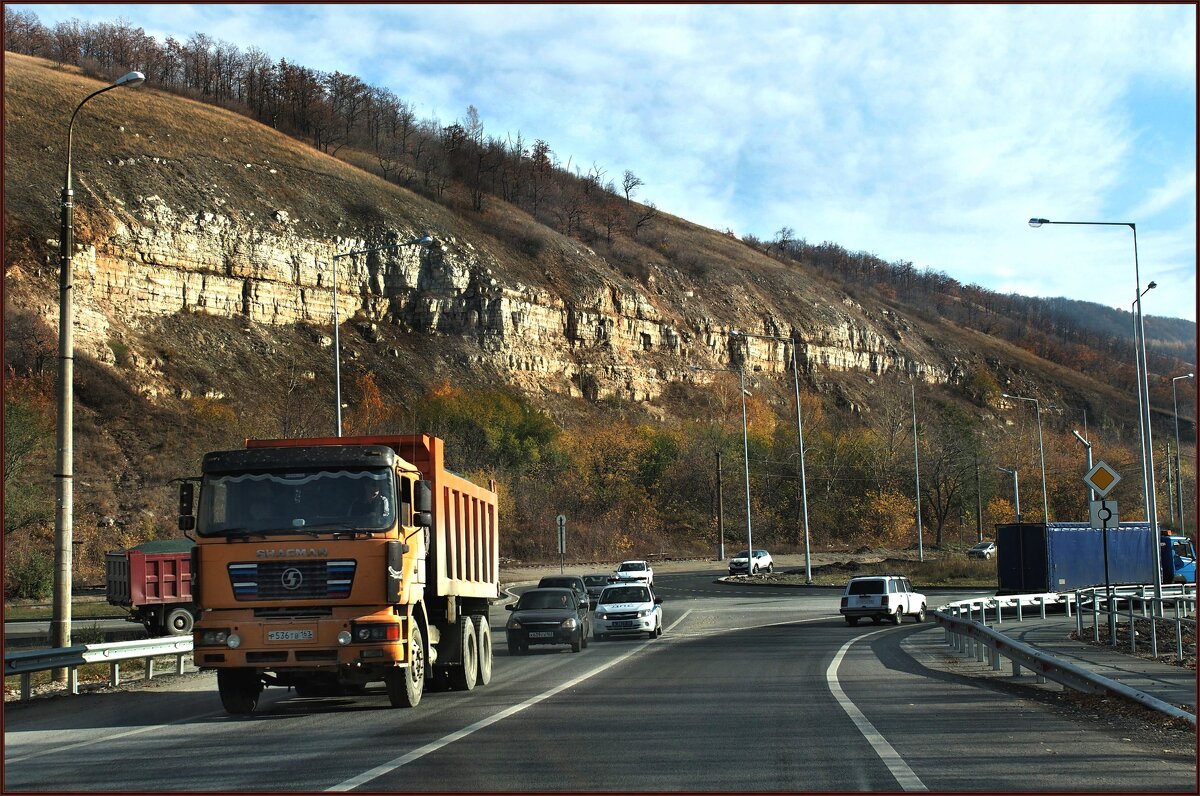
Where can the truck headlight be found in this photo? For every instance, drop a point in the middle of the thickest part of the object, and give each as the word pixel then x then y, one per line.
pixel 343 638
pixel 213 638
pixel 234 641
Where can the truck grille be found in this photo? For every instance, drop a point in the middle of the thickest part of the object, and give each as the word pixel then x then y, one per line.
pixel 292 580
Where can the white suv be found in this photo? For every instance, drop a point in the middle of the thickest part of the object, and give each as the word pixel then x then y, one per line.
pixel 634 571
pixel 881 597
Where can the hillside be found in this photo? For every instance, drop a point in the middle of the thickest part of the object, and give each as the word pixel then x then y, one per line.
pixel 204 308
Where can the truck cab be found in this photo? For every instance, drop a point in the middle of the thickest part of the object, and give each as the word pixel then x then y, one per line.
pixel 1184 556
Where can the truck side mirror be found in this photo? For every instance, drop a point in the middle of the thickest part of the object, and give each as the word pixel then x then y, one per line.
pixel 187 492
pixel 423 504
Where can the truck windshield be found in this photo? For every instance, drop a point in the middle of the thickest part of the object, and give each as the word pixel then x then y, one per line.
pixel 301 501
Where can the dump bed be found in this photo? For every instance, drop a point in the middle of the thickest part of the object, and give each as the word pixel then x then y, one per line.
pixel 154 573
pixel 464 554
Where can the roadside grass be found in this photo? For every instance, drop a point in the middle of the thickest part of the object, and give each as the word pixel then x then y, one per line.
pixel 954 570
pixel 82 607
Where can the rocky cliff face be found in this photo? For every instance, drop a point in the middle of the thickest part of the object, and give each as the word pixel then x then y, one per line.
pixel 613 338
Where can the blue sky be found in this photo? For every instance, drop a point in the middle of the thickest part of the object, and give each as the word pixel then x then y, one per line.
pixel 929 134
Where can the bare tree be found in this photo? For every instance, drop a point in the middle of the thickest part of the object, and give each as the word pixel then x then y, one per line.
pixel 644 216
pixel 630 183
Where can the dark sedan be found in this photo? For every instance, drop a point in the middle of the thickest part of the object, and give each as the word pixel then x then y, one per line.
pixel 547 616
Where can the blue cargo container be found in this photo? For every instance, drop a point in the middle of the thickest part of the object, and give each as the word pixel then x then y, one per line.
pixel 1064 556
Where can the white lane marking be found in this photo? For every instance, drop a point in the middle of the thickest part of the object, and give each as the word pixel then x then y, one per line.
pixel 106 738
pixel 900 770
pixel 458 735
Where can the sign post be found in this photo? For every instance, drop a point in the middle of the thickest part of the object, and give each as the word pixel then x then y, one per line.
pixel 1102 479
pixel 562 542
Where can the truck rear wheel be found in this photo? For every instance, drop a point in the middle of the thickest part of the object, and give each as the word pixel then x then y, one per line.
pixel 462 678
pixel 405 686
pixel 239 689
pixel 483 635
pixel 179 622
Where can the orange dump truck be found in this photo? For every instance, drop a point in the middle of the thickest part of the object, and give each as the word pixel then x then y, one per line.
pixel 327 564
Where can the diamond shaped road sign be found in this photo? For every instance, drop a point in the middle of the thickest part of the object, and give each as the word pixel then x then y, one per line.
pixel 1101 478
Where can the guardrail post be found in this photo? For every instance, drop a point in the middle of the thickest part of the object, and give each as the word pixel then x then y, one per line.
pixel 999 611
pixel 1178 634
pixel 1155 611
pixel 114 673
pixel 1039 677
pixel 980 651
pixel 1142 599
pixel 1042 603
pixel 72 680
pixel 1132 630
pixel 179 663
pixel 26 686
pixel 995 660
pixel 1095 617
pixel 1066 598
pixel 1078 616
pixel 1016 668
pixel 1019 617
pixel 149 668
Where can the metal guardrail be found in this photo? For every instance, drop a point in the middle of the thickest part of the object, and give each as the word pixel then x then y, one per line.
pixel 25 663
pixel 974 637
pixel 1182 600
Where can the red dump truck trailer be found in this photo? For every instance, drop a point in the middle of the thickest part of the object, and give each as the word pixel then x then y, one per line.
pixel 153 581
pixel 327 564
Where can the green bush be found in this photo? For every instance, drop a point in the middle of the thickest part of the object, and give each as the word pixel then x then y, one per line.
pixel 30 578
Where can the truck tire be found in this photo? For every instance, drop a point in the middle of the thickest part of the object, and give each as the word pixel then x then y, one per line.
pixel 405 686
pixel 239 689
pixel 852 620
pixel 462 678
pixel 179 622
pixel 483 636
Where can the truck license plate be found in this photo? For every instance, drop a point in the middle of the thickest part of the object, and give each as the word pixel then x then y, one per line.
pixel 542 634
pixel 289 635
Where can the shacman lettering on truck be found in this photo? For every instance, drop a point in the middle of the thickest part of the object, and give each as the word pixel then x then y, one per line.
pixel 327 564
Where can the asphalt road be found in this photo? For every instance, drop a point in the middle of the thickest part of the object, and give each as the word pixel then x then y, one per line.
pixel 750 689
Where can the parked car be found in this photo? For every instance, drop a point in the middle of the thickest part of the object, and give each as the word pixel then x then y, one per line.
pixel 572 582
pixel 881 597
pixel 636 570
pixel 627 608
pixel 547 616
pixel 762 563
pixel 595 584
pixel 983 550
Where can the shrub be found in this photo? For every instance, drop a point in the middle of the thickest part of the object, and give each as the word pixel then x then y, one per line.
pixel 30 577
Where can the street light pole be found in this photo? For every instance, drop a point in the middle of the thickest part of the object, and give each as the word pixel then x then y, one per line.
pixel 1041 453
pixel 60 623
pixel 1083 441
pixel 425 240
pixel 917 468
pixel 1016 489
pixel 800 436
pixel 1178 460
pixel 745 458
pixel 1143 393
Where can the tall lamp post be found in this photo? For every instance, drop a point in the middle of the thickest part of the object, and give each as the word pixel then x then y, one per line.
pixel 60 623
pixel 745 457
pixel 1041 453
pixel 800 435
pixel 1143 390
pixel 917 469
pixel 1016 489
pixel 425 240
pixel 1178 461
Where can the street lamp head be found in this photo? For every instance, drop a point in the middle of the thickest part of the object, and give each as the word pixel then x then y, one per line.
pixel 1152 285
pixel 1080 438
pixel 1037 222
pixel 131 80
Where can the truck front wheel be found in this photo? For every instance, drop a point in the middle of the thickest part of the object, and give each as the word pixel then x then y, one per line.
pixel 405 686
pixel 239 689
pixel 179 622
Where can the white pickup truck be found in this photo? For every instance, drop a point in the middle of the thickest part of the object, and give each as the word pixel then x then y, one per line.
pixel 881 597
